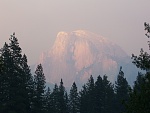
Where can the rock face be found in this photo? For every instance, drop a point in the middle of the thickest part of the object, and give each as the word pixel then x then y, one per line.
pixel 78 54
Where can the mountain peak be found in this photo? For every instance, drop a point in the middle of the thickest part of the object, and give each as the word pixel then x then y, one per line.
pixel 62 33
pixel 78 54
pixel 80 32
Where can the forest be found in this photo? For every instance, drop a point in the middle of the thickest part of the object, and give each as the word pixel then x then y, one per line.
pixel 22 92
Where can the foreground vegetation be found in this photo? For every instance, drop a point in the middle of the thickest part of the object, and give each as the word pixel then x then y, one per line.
pixel 22 92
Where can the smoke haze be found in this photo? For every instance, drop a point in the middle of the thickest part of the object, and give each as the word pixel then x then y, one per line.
pixel 37 22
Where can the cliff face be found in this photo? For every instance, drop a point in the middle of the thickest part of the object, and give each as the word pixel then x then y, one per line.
pixel 78 54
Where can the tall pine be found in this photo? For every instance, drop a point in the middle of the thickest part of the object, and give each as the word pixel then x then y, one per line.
pixel 83 99
pixel 29 85
pixel 99 93
pixel 48 100
pixel 16 79
pixel 91 95
pixel 61 98
pixel 55 99
pixel 139 101
pixel 14 74
pixel 5 73
pixel 39 90
pixel 87 97
pixel 122 90
pixel 107 96
pixel 73 99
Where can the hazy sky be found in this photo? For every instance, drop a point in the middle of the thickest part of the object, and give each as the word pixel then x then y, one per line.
pixel 37 22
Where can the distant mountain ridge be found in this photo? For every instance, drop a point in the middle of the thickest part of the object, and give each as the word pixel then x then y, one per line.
pixel 78 54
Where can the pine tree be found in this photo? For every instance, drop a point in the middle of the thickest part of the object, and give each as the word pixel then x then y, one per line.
pixel 83 99
pixel 61 98
pixel 138 84
pixel 87 97
pixel 55 99
pixel 139 97
pixel 91 95
pixel 67 102
pixel 139 100
pixel 39 90
pixel 99 90
pixel 5 72
pixel 29 85
pixel 48 100
pixel 107 96
pixel 104 96
pixel 73 99
pixel 122 90
pixel 135 99
pixel 97 97
pixel 14 76
pixel 17 101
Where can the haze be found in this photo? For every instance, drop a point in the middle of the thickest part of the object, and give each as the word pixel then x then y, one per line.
pixel 37 22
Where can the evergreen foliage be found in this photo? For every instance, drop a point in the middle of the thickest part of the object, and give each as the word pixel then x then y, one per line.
pixel 39 90
pixel 67 103
pixel 139 101
pixel 20 92
pixel 97 97
pixel 5 72
pixel 107 96
pixel 122 90
pixel 90 95
pixel 99 94
pixel 48 100
pixel 83 100
pixel 87 97
pixel 61 98
pixel 55 101
pixel 14 79
pixel 73 99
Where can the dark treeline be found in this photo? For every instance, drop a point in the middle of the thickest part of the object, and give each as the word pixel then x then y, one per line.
pixel 22 92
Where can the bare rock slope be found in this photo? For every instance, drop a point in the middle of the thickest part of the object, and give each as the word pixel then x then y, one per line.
pixel 77 55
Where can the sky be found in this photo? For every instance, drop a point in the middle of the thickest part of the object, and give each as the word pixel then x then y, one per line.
pixel 37 22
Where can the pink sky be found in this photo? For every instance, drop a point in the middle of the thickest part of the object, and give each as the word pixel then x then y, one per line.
pixel 37 22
